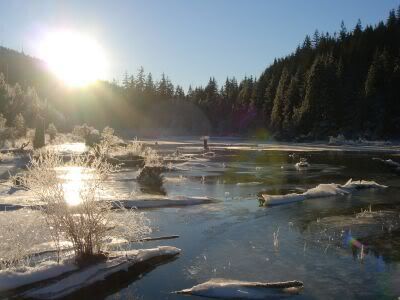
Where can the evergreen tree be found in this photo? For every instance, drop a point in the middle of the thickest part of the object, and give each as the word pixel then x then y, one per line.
pixel 39 139
pixel 278 106
pixel 179 93
pixel 149 87
pixel 125 80
pixel 140 81
pixel 343 31
pixel 291 101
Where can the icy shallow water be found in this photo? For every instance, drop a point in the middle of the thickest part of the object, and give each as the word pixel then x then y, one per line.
pixel 233 237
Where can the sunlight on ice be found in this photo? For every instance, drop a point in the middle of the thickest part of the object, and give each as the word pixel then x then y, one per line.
pixel 75 148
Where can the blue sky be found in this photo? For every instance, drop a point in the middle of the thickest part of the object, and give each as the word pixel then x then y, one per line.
pixel 189 40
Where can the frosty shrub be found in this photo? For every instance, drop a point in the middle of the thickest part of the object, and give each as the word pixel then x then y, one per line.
pixel 20 231
pixel 90 135
pixel 52 131
pixel 108 139
pixel 108 133
pixel 135 148
pixel 71 203
pixel 82 130
pixel 151 158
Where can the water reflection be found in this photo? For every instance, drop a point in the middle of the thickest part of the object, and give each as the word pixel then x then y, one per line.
pixel 74 182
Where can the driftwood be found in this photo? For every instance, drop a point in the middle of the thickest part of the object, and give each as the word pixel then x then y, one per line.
pixel 233 289
pixel 20 150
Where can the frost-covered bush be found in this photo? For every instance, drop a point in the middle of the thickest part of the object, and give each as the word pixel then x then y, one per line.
pixel 135 148
pixel 93 137
pixel 52 131
pixel 82 130
pixel 20 231
pixel 131 151
pixel 108 137
pixel 73 209
pixel 151 157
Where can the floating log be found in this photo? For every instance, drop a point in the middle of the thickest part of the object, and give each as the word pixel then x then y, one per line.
pixel 235 289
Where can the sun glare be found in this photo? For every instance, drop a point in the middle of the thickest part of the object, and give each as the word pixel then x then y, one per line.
pixel 75 181
pixel 76 59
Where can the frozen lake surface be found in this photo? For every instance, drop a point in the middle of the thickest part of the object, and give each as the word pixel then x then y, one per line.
pixel 316 241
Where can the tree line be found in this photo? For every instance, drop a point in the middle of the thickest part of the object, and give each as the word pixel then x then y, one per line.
pixel 346 83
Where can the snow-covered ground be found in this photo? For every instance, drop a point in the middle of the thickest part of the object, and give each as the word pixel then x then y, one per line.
pixel 77 279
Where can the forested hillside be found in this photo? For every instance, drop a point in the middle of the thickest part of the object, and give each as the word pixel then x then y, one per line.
pixel 346 82
pixel 342 83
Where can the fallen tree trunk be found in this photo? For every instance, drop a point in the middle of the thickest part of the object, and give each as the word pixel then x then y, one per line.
pixel 235 289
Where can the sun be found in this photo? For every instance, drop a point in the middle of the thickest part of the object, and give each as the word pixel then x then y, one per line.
pixel 75 58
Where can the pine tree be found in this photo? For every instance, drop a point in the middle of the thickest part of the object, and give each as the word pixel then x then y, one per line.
pixel 316 38
pixel 39 139
pixel 343 31
pixel 179 93
pixel 307 44
pixel 277 109
pixel 318 107
pixel 140 81
pixel 292 100
pixel 125 80
pixel 149 87
pixel 392 20
pixel 358 28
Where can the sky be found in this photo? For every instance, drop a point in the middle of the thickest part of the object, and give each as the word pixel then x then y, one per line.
pixel 188 40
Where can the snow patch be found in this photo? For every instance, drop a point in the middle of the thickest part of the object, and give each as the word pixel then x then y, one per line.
pixel 118 261
pixel 11 279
